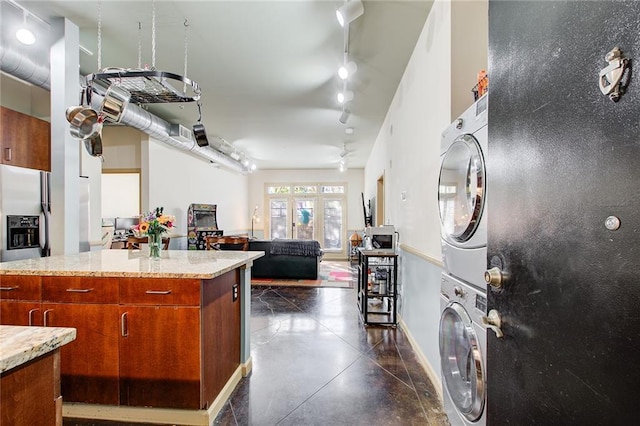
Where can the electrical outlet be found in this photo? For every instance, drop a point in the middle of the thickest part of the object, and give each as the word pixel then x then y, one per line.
pixel 403 196
pixel 235 292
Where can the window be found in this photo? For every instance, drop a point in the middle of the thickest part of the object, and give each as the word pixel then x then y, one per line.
pixel 309 212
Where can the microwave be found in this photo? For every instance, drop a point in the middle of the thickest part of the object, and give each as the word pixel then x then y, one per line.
pixel 382 237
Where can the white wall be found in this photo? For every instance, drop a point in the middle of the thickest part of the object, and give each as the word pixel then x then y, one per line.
pixel 121 147
pixel 353 177
pixel 180 179
pixel 407 152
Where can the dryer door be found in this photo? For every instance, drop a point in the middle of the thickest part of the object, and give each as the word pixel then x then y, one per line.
pixel 461 361
pixel 461 188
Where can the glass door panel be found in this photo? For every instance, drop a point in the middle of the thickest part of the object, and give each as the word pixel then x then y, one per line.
pixel 305 228
pixel 333 229
pixel 278 218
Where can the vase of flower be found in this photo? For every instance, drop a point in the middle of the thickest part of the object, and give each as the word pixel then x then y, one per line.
pixel 155 245
pixel 153 224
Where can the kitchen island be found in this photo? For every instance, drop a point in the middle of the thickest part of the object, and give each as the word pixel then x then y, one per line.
pixel 162 341
pixel 30 374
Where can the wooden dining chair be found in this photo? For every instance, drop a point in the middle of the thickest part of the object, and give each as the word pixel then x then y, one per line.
pixel 134 242
pixel 227 242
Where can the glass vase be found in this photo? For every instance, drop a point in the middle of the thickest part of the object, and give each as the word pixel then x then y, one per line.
pixel 155 245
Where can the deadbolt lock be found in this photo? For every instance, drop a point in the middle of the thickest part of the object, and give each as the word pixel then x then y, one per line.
pixel 494 277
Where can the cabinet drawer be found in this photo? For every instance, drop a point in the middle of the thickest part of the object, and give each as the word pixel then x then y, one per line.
pixel 80 289
pixel 20 287
pixel 159 291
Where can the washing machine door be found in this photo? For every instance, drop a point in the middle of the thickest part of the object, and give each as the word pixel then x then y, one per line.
pixel 461 361
pixel 461 188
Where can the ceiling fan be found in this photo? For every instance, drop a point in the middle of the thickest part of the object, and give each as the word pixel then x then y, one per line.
pixel 345 152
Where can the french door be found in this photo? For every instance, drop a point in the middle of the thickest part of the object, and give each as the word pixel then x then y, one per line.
pixel 309 213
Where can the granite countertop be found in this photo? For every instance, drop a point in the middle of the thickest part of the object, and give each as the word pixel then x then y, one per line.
pixel 19 345
pixel 196 264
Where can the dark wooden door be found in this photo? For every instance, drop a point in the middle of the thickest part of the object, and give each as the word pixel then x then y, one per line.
pixel 562 159
pixel 160 356
pixel 89 364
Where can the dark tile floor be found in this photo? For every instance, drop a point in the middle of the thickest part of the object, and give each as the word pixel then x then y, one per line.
pixel 315 363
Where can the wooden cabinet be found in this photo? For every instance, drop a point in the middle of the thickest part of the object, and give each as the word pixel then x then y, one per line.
pixel 152 342
pixel 160 357
pixel 89 367
pixel 30 394
pixel 20 300
pixel 25 141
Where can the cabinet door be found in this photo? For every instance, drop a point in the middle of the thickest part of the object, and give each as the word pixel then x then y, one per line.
pixel 26 140
pixel 221 331
pixel 160 356
pixel 89 367
pixel 39 145
pixel 14 136
pixel 20 313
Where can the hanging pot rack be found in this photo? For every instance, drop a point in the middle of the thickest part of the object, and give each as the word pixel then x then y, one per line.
pixel 146 86
pixel 149 86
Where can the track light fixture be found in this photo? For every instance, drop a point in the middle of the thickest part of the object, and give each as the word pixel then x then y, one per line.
pixel 24 34
pixel 347 70
pixel 344 97
pixel 349 12
pixel 344 116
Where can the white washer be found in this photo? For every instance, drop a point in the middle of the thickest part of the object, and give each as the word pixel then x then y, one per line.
pixel 463 341
pixel 462 195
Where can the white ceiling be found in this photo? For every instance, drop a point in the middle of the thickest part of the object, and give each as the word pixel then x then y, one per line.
pixel 267 69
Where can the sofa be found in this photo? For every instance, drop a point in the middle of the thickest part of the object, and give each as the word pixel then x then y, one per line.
pixel 286 259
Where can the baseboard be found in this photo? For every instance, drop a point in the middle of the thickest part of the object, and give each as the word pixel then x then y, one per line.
pixel 422 359
pixel 158 415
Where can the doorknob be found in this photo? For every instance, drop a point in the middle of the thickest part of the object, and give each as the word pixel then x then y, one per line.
pixel 494 322
pixel 495 277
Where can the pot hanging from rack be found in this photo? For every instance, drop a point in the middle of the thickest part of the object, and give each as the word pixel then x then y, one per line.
pixel 199 132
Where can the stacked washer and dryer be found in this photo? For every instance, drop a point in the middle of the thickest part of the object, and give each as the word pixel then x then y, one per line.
pixel 463 296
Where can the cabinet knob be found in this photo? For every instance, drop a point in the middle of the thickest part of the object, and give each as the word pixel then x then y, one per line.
pixel 495 277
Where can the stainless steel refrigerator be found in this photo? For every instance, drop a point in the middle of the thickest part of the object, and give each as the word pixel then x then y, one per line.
pixel 25 211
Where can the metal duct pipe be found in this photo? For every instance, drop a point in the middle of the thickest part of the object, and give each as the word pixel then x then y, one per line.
pixel 156 127
pixel 17 64
pixel 20 65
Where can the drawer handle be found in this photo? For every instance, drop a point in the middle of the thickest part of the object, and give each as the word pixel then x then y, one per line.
pixel 79 290
pixel 158 291
pixel 9 288
pixel 46 317
pixel 124 329
pixel 31 312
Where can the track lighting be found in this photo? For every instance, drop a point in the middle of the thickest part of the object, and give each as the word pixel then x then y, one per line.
pixel 24 34
pixel 344 97
pixel 344 116
pixel 347 70
pixel 350 11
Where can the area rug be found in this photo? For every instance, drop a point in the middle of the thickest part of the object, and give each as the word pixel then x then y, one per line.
pixel 331 274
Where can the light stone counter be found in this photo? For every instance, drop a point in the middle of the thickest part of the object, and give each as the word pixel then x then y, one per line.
pixel 205 264
pixel 19 345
